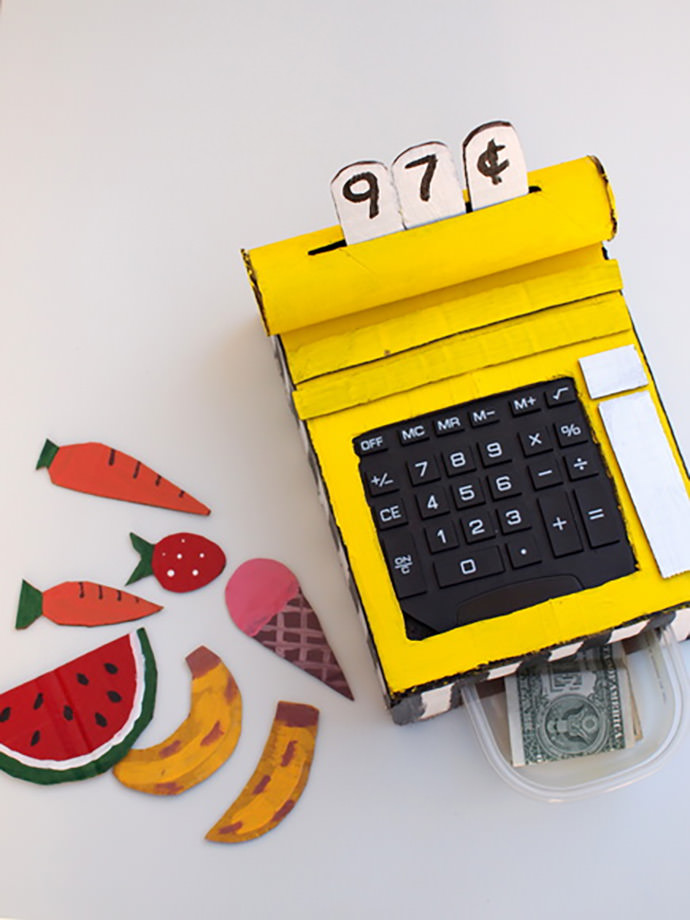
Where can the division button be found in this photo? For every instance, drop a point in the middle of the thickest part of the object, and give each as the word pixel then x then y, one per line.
pixel 370 443
pixel 467 565
pixel 403 563
pixel 559 521
pixel 599 514
pixel 581 463
pixel 560 392
pixel 389 513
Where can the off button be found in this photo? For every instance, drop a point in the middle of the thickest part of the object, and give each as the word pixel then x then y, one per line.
pixel 370 443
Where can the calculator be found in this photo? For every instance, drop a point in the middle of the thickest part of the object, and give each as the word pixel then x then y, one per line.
pixel 501 478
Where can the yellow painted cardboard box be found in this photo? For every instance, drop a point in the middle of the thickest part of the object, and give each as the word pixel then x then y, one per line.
pixel 410 323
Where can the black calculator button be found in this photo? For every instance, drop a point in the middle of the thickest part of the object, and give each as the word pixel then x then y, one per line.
pixel 484 415
pixel 535 441
pixel 371 443
pixel 599 514
pixel 389 513
pixel 493 451
pixel 545 473
pixel 448 424
pixel 423 470
pixel 380 479
pixel 441 538
pixel 560 392
pixel 525 403
pixel 411 434
pixel 513 518
pixel 571 430
pixel 431 502
pixel 559 521
pixel 468 565
pixel 581 463
pixel 468 493
pixel 459 460
pixel 478 525
pixel 403 563
pixel 503 485
pixel 523 551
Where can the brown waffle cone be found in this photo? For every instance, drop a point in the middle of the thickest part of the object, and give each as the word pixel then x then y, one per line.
pixel 295 634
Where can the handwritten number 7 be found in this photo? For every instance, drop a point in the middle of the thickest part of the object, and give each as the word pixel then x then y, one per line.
pixel 370 193
pixel 430 162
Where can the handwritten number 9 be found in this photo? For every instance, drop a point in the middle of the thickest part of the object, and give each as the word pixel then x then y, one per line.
pixel 370 193
pixel 430 162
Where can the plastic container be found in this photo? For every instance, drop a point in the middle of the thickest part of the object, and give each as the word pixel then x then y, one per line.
pixel 662 695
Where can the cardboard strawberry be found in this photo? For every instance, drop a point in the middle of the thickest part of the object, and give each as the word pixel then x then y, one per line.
pixel 181 561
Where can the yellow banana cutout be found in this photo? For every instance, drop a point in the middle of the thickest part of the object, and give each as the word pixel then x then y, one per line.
pixel 278 780
pixel 201 744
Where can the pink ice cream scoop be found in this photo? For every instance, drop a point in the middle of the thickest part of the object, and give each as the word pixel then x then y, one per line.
pixel 266 602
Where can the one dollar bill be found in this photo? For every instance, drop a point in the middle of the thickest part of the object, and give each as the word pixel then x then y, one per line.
pixel 571 708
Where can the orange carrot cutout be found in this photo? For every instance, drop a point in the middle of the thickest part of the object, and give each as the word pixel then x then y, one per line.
pixel 80 603
pixel 101 470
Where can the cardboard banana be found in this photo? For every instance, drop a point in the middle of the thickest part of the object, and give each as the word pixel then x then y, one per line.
pixel 278 780
pixel 201 744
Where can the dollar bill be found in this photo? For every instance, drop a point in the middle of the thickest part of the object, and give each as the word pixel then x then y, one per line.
pixel 571 708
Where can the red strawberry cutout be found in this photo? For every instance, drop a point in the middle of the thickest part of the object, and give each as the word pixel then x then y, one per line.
pixel 181 561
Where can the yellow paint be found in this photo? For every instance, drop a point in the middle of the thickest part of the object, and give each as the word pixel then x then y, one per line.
pixel 199 746
pixel 420 320
pixel 279 778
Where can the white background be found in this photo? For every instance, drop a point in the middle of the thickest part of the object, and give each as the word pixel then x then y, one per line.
pixel 141 145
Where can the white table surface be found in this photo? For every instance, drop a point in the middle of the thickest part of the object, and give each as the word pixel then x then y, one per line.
pixel 141 145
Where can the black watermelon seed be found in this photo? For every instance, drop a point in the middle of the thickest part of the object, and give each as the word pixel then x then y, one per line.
pixel 67 713
pixel 5 714
pixel 101 720
pixel 114 696
pixel 35 738
pixel 38 702
pixel 83 679
pixel 110 668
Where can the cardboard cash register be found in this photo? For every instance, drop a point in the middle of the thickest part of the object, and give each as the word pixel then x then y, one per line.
pixel 484 428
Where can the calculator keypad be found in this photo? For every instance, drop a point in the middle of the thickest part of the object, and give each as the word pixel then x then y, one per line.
pixel 491 506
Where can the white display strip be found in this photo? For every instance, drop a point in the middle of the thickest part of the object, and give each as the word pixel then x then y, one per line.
pixel 365 201
pixel 565 651
pixel 613 371
pixel 652 477
pixel 495 168
pixel 627 632
pixel 427 184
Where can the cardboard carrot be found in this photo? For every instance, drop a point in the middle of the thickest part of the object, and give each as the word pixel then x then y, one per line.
pixel 100 470
pixel 80 603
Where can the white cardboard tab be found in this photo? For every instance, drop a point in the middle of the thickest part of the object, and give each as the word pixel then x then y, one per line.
pixel 495 168
pixel 365 201
pixel 652 477
pixel 613 371
pixel 427 184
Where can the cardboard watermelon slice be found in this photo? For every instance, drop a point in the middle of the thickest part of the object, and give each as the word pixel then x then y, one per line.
pixel 81 718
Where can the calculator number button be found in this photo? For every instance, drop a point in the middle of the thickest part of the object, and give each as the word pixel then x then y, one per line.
pixel 535 441
pixel 477 526
pixel 503 486
pixel 468 566
pixel 441 538
pixel 513 519
pixel 468 493
pixel 423 470
pixel 431 502
pixel 493 452
pixel 459 461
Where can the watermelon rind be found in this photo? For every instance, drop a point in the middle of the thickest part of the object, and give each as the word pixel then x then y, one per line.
pixel 48 772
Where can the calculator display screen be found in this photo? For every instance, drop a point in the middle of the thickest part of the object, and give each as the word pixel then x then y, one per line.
pixel 492 506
